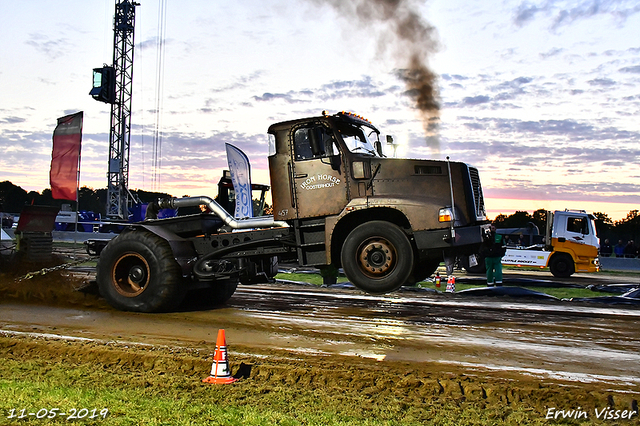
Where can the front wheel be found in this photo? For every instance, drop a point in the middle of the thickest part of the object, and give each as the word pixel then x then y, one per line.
pixel 377 257
pixel 138 272
pixel 561 265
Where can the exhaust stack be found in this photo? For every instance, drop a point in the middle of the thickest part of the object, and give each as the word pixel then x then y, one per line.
pixel 249 223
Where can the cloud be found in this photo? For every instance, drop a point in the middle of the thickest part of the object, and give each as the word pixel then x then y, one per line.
pixel 339 89
pixel 586 192
pixel 551 53
pixel 566 12
pixel 500 91
pixel 509 90
pixel 289 97
pixel 474 126
pixel 515 83
pixel 240 82
pixel 53 48
pixel 602 82
pixel 526 12
pixel 25 155
pixel 570 129
pixel 12 120
pixel 363 88
pixel 563 151
pixel 199 151
pixel 475 100
pixel 152 43
pixel 393 122
pixel 457 77
pixel 635 69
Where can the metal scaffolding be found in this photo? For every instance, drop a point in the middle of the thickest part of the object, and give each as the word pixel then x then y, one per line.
pixel 118 195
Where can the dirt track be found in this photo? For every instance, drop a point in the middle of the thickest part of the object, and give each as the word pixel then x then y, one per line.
pixel 490 356
pixel 359 386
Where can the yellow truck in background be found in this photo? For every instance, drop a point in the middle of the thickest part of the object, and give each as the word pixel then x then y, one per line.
pixel 569 244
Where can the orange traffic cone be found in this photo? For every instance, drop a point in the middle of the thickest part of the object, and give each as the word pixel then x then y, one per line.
pixel 220 372
pixel 451 284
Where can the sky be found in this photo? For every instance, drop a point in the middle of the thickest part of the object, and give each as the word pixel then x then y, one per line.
pixel 542 96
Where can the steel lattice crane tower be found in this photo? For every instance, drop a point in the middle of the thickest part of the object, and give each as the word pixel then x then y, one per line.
pixel 113 84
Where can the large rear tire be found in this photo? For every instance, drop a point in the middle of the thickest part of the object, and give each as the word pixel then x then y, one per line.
pixel 220 293
pixel 209 297
pixel 377 257
pixel 561 265
pixel 137 272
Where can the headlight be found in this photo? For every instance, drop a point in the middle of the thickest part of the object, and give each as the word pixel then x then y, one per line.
pixel 445 215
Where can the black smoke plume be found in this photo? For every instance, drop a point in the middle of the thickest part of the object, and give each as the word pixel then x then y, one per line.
pixel 410 40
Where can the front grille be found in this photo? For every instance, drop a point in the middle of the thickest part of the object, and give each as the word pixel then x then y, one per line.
pixel 478 198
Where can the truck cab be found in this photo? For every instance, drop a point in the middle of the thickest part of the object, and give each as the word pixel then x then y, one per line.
pixel 569 244
pixel 329 177
pixel 573 234
pixel 338 201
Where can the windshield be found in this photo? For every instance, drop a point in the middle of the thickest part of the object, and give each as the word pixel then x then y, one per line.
pixel 357 140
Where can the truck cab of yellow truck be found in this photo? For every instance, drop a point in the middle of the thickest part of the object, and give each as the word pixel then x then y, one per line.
pixel 569 244
pixel 573 234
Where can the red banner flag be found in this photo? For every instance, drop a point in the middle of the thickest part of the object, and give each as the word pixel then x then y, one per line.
pixel 65 158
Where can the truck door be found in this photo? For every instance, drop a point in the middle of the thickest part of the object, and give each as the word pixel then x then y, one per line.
pixel 317 176
pixel 577 229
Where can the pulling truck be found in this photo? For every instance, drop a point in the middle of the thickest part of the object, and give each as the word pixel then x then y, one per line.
pixel 337 201
pixel 570 244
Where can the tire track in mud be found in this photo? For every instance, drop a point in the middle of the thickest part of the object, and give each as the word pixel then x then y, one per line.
pixel 538 339
pixel 361 387
pixel 418 390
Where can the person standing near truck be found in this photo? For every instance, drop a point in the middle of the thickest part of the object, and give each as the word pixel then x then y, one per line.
pixel 493 249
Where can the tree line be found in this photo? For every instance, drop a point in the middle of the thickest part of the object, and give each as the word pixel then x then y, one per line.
pixel 13 198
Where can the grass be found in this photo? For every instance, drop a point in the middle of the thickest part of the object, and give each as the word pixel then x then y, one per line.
pixel 151 387
pixel 141 398
pixel 559 292
pixel 311 278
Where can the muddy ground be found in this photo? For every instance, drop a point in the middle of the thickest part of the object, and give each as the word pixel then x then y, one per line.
pixel 354 386
pixel 414 392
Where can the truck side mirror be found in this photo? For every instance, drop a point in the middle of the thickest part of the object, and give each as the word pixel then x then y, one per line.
pixel 378 146
pixel 336 162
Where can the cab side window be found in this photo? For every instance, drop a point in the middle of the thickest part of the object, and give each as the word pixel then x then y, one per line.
pixel 302 144
pixel 313 142
pixel 577 225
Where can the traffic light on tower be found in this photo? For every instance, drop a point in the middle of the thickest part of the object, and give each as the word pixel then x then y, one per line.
pixel 104 84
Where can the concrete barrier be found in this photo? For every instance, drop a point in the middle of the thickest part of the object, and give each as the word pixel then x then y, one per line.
pixel 619 264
